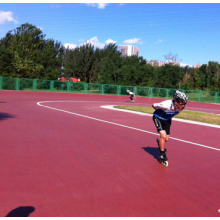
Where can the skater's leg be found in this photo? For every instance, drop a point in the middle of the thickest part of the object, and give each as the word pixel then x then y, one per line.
pixel 163 138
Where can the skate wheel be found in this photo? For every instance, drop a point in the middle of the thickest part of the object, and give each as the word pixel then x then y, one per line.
pixel 166 163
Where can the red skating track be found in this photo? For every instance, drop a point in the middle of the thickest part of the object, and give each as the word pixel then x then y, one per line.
pixel 77 159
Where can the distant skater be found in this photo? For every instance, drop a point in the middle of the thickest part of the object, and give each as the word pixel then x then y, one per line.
pixel 162 118
pixel 132 95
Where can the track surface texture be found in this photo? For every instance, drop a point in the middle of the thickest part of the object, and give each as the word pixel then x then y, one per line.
pixel 62 155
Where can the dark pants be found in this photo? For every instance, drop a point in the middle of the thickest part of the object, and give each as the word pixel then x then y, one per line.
pixel 162 124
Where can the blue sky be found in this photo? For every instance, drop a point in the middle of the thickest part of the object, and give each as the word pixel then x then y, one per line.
pixel 190 30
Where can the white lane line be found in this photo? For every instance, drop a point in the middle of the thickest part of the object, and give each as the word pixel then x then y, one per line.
pixel 111 107
pixel 125 126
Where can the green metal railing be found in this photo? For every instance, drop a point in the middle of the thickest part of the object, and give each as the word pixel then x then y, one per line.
pixel 10 83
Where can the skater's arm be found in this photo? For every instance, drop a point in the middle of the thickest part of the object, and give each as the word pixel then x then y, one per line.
pixel 153 106
pixel 159 106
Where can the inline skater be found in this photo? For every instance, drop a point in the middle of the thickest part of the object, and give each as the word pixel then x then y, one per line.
pixel 162 117
pixel 132 95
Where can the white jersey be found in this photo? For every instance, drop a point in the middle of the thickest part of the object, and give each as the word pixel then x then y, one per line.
pixel 132 93
pixel 165 110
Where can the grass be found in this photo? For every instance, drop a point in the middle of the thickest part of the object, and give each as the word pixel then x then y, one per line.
pixel 188 115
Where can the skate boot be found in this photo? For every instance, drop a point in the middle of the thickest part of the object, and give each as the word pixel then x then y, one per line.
pixel 163 159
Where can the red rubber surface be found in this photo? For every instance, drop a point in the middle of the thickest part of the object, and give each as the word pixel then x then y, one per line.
pixel 55 163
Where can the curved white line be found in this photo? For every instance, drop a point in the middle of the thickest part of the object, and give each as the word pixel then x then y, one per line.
pixel 125 126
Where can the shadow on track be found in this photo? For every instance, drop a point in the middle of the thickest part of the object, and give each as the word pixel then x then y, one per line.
pixel 5 116
pixel 154 151
pixel 22 211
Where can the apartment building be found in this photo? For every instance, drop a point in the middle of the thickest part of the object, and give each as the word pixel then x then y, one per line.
pixel 128 50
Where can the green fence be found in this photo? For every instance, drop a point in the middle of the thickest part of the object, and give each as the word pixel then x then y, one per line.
pixel 10 83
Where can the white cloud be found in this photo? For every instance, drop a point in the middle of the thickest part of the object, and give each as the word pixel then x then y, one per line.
pixel 184 65
pixel 7 16
pixel 71 46
pixel 110 41
pixel 102 5
pixel 40 28
pixel 81 40
pixel 159 41
pixel 98 5
pixel 93 41
pixel 133 41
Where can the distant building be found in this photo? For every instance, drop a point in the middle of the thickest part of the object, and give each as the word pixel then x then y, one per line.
pixel 174 63
pixel 160 63
pixel 156 63
pixel 197 66
pixel 128 50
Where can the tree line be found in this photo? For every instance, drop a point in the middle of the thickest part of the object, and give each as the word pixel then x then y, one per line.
pixel 26 53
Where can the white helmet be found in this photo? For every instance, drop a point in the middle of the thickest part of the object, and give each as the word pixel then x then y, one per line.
pixel 180 97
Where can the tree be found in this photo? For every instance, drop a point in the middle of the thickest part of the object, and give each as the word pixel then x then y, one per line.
pixel 51 58
pixel 78 62
pixel 204 72
pixel 172 58
pixel 213 71
pixel 169 76
pixel 28 48
pixel 132 70
pixel 110 63
pixel 200 81
pixel 5 62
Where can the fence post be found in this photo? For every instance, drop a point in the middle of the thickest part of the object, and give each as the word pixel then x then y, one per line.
pixel 167 93
pixel 35 85
pixel 68 86
pixel 216 97
pixel 102 89
pixel 135 90
pixel 118 90
pixel 200 96
pixel 1 80
pixel 85 87
pixel 17 84
pixel 151 93
pixel 51 86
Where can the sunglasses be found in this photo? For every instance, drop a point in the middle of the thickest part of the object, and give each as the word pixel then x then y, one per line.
pixel 182 104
